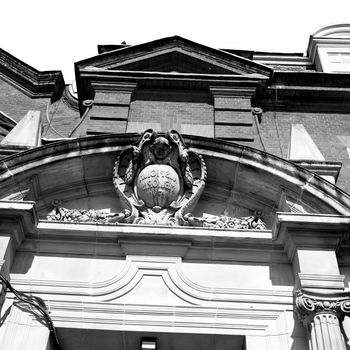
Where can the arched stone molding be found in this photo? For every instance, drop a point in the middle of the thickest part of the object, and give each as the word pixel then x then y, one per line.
pixel 262 316
pixel 174 280
pixel 76 169
pixel 336 30
pixel 330 41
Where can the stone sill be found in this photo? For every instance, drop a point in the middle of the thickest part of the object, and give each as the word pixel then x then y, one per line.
pixel 55 228
pixel 120 240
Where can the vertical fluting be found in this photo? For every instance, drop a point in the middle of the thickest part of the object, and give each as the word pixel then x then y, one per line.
pixel 325 333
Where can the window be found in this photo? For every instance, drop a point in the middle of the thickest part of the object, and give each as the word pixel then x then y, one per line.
pixel 338 62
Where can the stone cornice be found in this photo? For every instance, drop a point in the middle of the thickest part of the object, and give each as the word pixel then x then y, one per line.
pixel 136 52
pixel 36 84
pixel 169 80
pixel 232 91
pixel 191 319
pixel 310 230
pixel 89 77
pixel 313 91
pixel 17 219
pixel 188 242
pixel 321 168
pixel 309 304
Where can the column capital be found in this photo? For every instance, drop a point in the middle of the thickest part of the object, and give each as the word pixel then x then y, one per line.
pixel 310 304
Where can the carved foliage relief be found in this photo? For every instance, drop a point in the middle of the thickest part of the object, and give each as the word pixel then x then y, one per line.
pixel 159 181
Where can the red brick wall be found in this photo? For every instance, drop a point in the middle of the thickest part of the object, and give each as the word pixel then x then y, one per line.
pixel 188 113
pixel 193 113
pixel 16 103
pixel 63 119
pixel 323 129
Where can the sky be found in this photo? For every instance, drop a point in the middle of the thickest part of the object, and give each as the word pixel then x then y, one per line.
pixel 52 35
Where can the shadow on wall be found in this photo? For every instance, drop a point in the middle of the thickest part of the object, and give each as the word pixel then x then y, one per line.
pixel 281 275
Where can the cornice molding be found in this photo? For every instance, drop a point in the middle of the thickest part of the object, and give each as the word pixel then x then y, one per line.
pixel 36 84
pixel 170 270
pixel 321 168
pixel 292 228
pixel 262 321
pixel 18 219
pixel 134 53
pixel 193 243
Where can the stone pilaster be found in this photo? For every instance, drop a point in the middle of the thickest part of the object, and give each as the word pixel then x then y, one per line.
pixel 111 107
pixel 322 315
pixel 233 118
pixel 311 243
pixel 17 219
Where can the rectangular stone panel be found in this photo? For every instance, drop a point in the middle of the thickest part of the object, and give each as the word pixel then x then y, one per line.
pixel 102 97
pixel 234 132
pixel 106 126
pixel 226 102
pixel 233 117
pixel 109 112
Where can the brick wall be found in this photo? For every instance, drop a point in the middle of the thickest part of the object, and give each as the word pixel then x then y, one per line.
pixel 193 113
pixel 16 103
pixel 188 113
pixel 324 129
pixel 63 118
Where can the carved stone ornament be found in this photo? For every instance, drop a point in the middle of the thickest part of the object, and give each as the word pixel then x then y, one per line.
pixel 60 213
pixel 309 304
pixel 159 181
pixel 226 222
pixel 321 315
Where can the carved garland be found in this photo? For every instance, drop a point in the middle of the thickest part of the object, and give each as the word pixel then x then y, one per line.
pixel 159 180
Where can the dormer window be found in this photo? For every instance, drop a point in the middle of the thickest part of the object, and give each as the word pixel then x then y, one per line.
pixel 329 49
pixel 339 62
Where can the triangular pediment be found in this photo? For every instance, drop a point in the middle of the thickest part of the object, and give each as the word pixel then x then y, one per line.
pixel 175 54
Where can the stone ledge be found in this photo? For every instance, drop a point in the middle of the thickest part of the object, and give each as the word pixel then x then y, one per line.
pixel 17 219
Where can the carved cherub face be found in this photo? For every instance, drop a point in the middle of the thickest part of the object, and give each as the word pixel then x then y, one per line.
pixel 161 148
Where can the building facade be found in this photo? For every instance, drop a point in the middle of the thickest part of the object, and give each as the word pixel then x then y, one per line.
pixel 178 197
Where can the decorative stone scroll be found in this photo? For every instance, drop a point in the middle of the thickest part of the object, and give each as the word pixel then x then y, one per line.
pixel 226 222
pixel 322 315
pixel 82 215
pixel 159 181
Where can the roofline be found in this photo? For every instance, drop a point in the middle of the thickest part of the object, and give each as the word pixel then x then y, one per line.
pixel 160 41
pixel 36 84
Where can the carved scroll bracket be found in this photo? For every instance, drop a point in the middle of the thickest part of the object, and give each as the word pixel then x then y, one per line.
pixel 309 304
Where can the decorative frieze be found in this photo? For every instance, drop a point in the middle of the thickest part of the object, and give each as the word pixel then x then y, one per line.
pixel 159 181
pixel 60 213
pixel 253 222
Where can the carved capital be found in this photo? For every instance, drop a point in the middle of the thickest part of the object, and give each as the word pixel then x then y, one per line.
pixel 308 305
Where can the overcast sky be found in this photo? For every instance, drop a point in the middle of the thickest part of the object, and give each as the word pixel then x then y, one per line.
pixel 54 34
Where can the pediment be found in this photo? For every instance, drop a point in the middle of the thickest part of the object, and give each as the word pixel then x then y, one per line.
pixel 175 54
